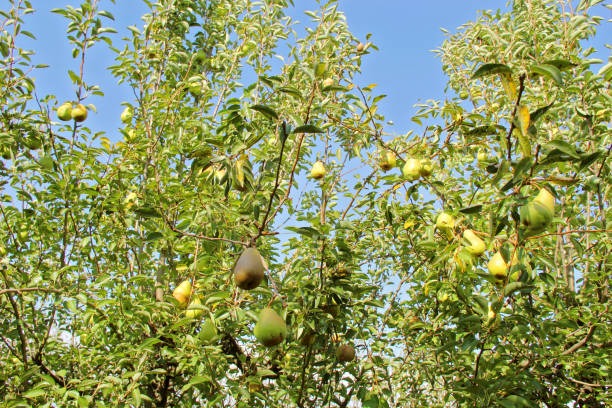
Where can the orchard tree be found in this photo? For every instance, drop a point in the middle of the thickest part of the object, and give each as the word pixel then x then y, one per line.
pixel 253 236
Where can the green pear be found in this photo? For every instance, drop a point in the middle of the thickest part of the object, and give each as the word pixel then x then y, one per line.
pixel 446 223
pixel 498 267
pixel 3 251
pixel 64 111
pixel 194 312
pixel 345 353
pixel 412 169
pixel 387 161
pixel 482 156
pixel 270 329
pixel 79 113
pixel 126 115
pixel 426 168
pixel 182 293
pixel 538 214
pixel 318 170
pixel 208 331
pixel 249 269
pixel 477 245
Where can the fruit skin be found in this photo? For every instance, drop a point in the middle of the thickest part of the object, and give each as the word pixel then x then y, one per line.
pixel 270 329
pixel 318 170
pixel 79 113
pixel 182 293
pixel 328 82
pixel 426 168
pixel 196 312
pixel 360 47
pixel 477 245
pixel 498 267
pixel 64 112
pixel 345 353
pixel 208 331
pixel 126 115
pixel 482 156
pixel 249 269
pixel 538 214
pixel 412 169
pixel 387 161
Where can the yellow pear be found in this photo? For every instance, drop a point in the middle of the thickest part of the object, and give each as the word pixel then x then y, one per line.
pixel 498 267
pixel 537 215
pixel 64 111
pixel 426 168
pixel 328 82
pixel 194 312
pixel 446 223
pixel 126 115
pixel 3 251
pixel 79 113
pixel 345 353
pixel 477 245
pixel 482 156
pixel 360 47
pixel 412 169
pixel 387 161
pixel 318 170
pixel 182 293
pixel 270 329
pixel 249 269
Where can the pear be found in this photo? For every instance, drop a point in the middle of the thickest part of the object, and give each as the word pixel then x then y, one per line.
pixel 195 312
pixel 64 111
pixel 426 168
pixel 498 267
pixel 360 47
pixel 318 170
pixel 538 214
pixel 477 245
pixel 208 331
pixel 249 269
pixel 182 293
pixel 3 251
pixel 345 353
pixel 446 223
pixel 126 115
pixel 79 113
pixel 270 329
pixel 387 161
pixel 328 82
pixel 412 169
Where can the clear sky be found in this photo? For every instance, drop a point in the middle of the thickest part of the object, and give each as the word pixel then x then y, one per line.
pixel 404 68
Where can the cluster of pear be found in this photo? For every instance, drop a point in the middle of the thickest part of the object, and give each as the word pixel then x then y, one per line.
pixel 67 112
pixel 414 169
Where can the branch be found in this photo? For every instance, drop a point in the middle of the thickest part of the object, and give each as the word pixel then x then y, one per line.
pixel 516 105
pixel 580 343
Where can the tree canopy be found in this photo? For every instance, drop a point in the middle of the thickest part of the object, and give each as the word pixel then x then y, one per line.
pixel 254 236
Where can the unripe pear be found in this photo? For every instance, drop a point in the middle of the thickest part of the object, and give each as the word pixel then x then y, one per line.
pixel 345 353
pixel 64 111
pixel 482 156
pixel 270 329
pixel 445 220
pixel 412 169
pixel 182 293
pixel 195 312
pixel 3 251
pixel 328 82
pixel 249 269
pixel 545 198
pixel 477 245
pixel 498 267
pixel 318 170
pixel 79 113
pixel 538 214
pixel 387 161
pixel 208 331
pixel 426 168
pixel 126 115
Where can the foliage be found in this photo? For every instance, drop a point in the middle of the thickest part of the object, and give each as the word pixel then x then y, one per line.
pixel 97 232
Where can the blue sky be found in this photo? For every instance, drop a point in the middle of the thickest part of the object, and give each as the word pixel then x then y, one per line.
pixel 404 68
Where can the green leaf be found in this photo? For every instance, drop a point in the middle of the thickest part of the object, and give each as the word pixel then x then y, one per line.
pixel 291 91
pixel 540 111
pixel 491 69
pixel 474 209
pixel 307 231
pixel 147 212
pixel 549 71
pixel 483 130
pixel 564 147
pixel 307 129
pixel 154 236
pixel 513 287
pixel 265 110
pixel 560 64
pixel 33 394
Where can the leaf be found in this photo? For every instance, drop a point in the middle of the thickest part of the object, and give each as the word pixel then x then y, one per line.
pixel 564 147
pixel 482 131
pixel 513 287
pixel 307 231
pixel 307 129
pixel 474 209
pixel 522 117
pixel 509 85
pixel 549 71
pixel 265 110
pixel 560 64
pixel 147 212
pixel 291 91
pixel 540 111
pixel 32 394
pixel 154 236
pixel 490 69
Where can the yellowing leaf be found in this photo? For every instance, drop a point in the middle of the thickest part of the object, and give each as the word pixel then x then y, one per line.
pixel 522 116
pixel 509 85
